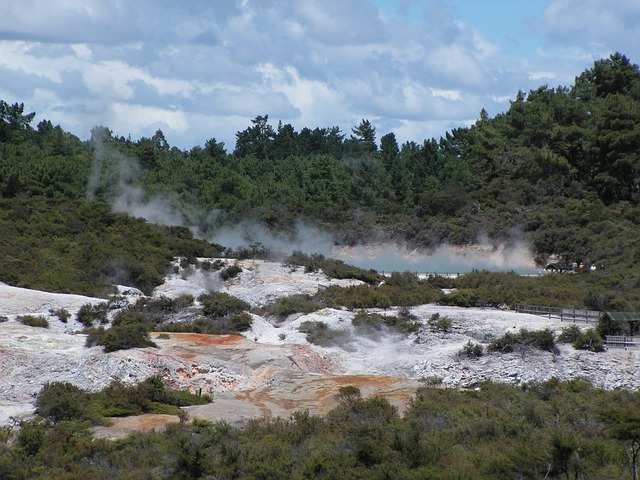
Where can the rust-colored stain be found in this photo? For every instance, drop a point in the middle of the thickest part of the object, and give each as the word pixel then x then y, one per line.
pixel 206 339
pixel 120 427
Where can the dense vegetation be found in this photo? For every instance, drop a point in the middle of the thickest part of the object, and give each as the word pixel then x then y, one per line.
pixel 560 167
pixel 63 401
pixel 559 430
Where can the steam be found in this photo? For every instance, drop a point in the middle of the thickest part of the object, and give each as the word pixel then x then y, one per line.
pixel 161 210
pixel 304 237
pixel 116 175
pixel 512 255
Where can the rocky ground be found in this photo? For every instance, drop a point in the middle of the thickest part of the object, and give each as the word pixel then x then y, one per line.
pixel 272 370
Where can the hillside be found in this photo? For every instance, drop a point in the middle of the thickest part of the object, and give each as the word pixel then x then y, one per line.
pixel 558 172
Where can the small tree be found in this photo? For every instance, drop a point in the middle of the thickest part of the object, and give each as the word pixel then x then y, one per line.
pixel 441 323
pixel 59 401
pixel 589 340
pixel 623 422
pixel 471 350
pixel 348 395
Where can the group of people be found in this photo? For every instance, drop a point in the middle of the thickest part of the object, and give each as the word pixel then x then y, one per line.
pixel 575 266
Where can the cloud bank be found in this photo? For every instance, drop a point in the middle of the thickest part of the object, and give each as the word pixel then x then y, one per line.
pixel 199 70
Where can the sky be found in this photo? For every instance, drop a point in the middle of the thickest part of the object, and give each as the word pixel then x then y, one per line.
pixel 202 69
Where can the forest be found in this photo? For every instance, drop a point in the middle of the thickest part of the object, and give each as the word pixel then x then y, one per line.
pixel 560 167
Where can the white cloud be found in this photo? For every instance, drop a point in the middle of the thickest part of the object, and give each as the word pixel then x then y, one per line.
pixel 598 27
pixel 446 94
pixel 204 69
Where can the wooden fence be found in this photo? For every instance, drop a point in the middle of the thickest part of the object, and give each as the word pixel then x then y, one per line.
pixel 620 341
pixel 572 315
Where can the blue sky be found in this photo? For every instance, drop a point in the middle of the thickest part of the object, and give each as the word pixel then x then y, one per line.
pixel 204 68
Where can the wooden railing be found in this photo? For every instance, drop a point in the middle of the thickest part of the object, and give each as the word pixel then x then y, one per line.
pixel 570 314
pixel 574 315
pixel 621 341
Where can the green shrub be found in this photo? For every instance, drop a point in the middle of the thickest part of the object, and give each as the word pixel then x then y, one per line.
pixel 120 337
pixel 151 312
pixel 232 271
pixel 510 342
pixel 440 323
pixel 319 333
pixel 62 314
pixel 589 340
pixel 220 304
pixel 228 325
pixel 402 279
pixel 364 321
pixel 384 296
pixel 368 323
pixel 59 401
pixel 89 313
pixel 240 322
pixel 163 409
pixel 331 268
pixel 569 334
pixel 541 339
pixel 33 321
pixel 285 306
pixel 4 318
pixel 471 350
pixel 348 395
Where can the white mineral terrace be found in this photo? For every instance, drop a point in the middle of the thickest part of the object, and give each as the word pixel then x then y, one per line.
pixel 272 370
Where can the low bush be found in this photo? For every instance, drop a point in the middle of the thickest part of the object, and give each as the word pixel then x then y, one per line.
pixel 510 342
pixel 331 268
pixel 368 323
pixel 228 325
pixel 220 304
pixel 33 321
pixel 319 333
pixel 90 313
pixel 120 337
pixel 240 322
pixel 471 350
pixel 403 279
pixel 589 340
pixel 285 306
pixel 569 334
pixel 62 314
pixel 440 323
pixel 59 401
pixel 384 296
pixel 232 271
pixel 152 312
pixel 348 395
